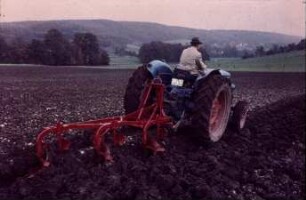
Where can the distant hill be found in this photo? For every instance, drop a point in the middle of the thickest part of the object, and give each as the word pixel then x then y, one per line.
pixel 116 33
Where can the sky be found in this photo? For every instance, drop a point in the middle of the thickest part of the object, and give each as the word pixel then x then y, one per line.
pixel 282 16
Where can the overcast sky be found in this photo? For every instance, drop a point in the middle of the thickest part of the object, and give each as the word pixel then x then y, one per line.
pixel 283 16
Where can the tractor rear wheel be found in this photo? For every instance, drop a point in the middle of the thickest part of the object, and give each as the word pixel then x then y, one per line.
pixel 212 99
pixel 140 77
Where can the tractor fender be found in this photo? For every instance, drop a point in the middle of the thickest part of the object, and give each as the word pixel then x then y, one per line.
pixel 208 72
pixel 157 67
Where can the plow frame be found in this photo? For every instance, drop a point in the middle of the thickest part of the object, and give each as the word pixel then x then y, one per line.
pixel 145 117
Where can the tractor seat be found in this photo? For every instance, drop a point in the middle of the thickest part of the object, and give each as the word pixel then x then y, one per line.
pixel 180 74
pixel 185 75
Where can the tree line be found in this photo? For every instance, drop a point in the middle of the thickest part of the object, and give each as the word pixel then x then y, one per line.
pixel 260 50
pixel 172 52
pixel 164 51
pixel 55 49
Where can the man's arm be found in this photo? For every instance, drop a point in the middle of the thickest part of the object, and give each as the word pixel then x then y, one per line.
pixel 199 63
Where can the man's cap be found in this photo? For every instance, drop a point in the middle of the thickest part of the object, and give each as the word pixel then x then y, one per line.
pixel 195 41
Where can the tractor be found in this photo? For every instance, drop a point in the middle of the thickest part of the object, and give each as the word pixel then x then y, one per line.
pixel 159 98
pixel 205 104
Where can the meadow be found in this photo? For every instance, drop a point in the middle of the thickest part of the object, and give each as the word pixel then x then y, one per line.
pixel 285 62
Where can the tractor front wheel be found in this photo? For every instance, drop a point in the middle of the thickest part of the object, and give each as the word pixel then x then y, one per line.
pixel 212 99
pixel 240 112
pixel 134 89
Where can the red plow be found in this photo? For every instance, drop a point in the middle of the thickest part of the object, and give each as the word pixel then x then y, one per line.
pixel 145 117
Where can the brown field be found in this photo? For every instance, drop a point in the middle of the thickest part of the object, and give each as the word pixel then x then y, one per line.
pixel 265 161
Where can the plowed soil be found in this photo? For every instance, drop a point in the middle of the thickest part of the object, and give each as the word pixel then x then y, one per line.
pixel 264 161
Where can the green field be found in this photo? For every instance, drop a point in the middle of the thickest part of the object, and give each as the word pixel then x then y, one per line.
pixel 285 62
pixel 124 61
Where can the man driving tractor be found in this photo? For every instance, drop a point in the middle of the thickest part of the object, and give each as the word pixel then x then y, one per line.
pixel 191 61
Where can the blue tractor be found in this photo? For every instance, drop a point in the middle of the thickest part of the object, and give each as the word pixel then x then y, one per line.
pixel 205 104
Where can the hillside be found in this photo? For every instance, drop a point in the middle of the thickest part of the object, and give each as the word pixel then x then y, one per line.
pixel 114 33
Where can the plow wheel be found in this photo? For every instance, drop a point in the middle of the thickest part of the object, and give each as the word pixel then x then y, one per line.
pixel 212 100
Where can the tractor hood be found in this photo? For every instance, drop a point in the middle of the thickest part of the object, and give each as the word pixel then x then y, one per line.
pixel 157 67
